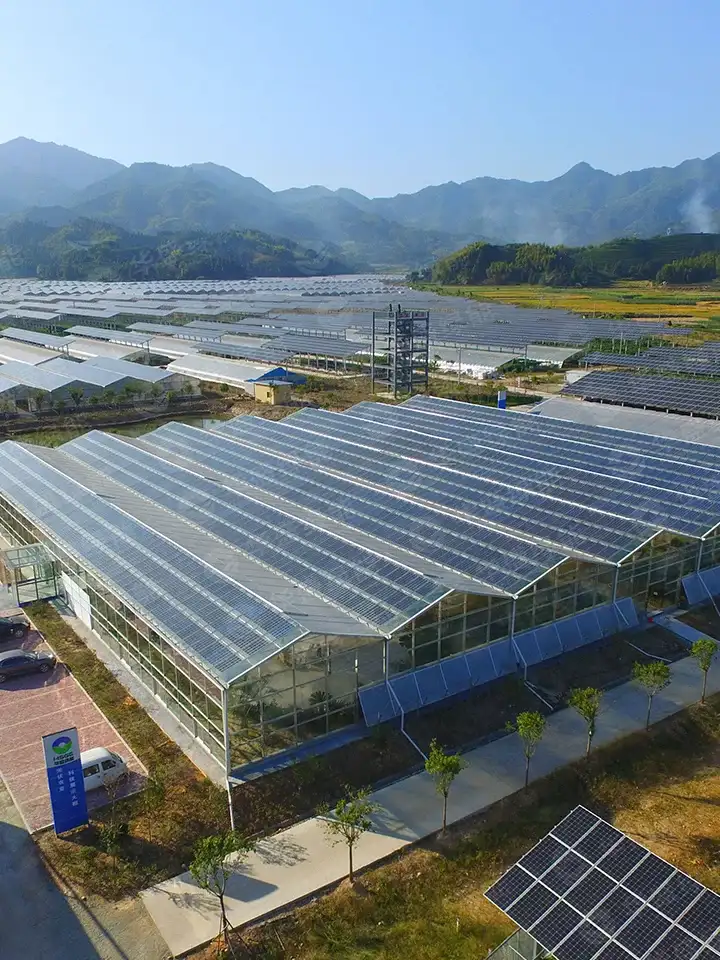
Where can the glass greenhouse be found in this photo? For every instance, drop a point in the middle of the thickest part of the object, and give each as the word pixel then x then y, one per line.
pixel 275 583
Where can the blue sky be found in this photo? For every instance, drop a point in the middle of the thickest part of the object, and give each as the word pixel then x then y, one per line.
pixel 385 96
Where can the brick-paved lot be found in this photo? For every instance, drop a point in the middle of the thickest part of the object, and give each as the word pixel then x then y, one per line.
pixel 35 705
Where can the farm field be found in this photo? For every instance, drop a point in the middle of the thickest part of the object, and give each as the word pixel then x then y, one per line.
pixel 640 299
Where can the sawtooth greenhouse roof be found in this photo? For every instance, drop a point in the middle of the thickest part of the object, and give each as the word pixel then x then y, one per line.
pixel 237 541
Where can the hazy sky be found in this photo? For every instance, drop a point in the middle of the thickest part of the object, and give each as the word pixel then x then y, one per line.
pixel 384 96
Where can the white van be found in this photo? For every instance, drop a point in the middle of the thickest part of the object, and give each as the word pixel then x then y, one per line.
pixel 101 766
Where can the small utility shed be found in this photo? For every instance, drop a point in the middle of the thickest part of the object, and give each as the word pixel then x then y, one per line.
pixel 274 392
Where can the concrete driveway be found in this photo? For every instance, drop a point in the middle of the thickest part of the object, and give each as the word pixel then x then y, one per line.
pixel 39 921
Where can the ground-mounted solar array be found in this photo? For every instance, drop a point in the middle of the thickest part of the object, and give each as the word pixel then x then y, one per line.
pixel 304 307
pixel 673 394
pixel 587 891
pixel 700 361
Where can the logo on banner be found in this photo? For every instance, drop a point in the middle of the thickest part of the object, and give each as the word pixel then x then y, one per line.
pixel 65 779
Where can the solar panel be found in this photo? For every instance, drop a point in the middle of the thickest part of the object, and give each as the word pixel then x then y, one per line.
pixel 377 704
pixel 529 435
pixel 269 354
pixel 699 361
pixel 214 621
pixel 373 588
pixel 674 394
pixel 489 555
pixel 650 504
pixel 112 336
pixel 588 892
pixel 182 332
pixel 699 456
pixel 41 339
pixel 566 525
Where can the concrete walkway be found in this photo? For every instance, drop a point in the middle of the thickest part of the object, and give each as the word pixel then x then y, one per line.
pixel 42 921
pixel 299 861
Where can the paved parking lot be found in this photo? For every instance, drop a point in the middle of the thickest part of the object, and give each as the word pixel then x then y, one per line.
pixel 35 705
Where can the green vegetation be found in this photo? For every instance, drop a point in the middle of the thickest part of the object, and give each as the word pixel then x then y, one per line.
pixel 652 678
pixel 530 728
pixel 586 701
pixel 443 768
pixel 689 258
pixel 211 871
pixel 429 904
pixel 348 820
pixel 93 250
pixel 704 651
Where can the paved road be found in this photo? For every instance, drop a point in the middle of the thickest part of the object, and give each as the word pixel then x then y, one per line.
pixel 39 921
pixel 296 862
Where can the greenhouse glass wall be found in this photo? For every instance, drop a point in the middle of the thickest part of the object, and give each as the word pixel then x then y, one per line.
pixel 309 690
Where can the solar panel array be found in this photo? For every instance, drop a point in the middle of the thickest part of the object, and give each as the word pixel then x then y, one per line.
pixel 587 891
pixel 613 495
pixel 661 481
pixel 338 304
pixel 295 344
pixel 673 394
pixel 455 675
pixel 113 336
pixel 216 622
pixel 648 445
pixel 267 354
pixel 561 525
pixel 259 329
pixel 495 558
pixel 374 589
pixel 39 339
pixel 181 331
pixel 701 361
pixel 431 684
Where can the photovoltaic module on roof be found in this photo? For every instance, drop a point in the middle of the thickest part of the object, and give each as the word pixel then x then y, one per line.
pixel 502 561
pixel 215 621
pixel 559 525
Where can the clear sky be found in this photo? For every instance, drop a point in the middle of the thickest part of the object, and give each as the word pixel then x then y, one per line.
pixel 385 96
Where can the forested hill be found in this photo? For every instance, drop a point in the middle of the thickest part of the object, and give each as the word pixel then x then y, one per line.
pixel 682 258
pixel 89 250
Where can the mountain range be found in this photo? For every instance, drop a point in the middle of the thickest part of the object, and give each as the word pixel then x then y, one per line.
pixel 57 185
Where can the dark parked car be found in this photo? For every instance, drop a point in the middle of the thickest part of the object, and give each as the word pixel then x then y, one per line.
pixel 13 628
pixel 14 663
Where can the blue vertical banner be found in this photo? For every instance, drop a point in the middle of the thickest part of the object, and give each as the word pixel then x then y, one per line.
pixel 65 779
pixel 502 399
